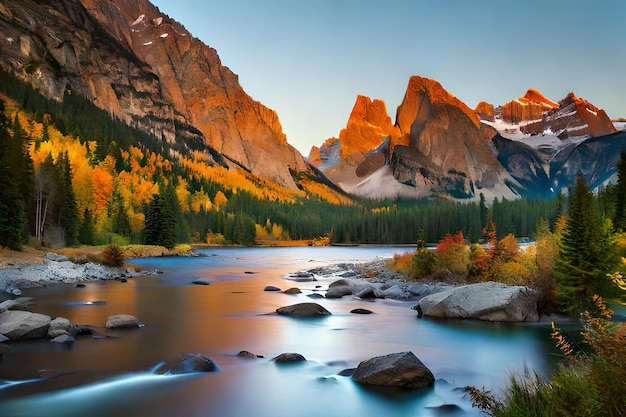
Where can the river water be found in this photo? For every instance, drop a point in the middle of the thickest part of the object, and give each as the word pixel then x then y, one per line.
pixel 120 372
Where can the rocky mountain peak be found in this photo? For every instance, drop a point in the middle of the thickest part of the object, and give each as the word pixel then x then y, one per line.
pixel 422 96
pixel 530 106
pixel 146 69
pixel 367 127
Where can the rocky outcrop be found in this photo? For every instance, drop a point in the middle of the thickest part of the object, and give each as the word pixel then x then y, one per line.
pixel 149 71
pixel 448 149
pixel 400 370
pixel 303 310
pixel 531 106
pixel 367 127
pixel 437 146
pixel 574 117
pixel 485 111
pixel 489 301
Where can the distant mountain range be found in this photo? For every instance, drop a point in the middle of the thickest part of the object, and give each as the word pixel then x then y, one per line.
pixel 530 146
pixel 147 70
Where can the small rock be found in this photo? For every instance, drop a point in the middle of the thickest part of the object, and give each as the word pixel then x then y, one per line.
pixel 62 326
pixel 3 338
pixel 271 288
pixel 54 257
pixel 361 311
pixel 289 357
pixel 201 281
pixel 315 295
pixel 15 291
pixel 347 372
pixel 193 363
pixel 122 321
pixel 303 310
pixel 79 285
pixel 293 290
pixel 247 355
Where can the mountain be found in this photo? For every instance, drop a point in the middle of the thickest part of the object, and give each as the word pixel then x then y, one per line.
pixel 437 145
pixel 147 70
pixel 531 146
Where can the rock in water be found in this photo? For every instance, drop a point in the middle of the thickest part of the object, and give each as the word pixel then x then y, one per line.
pixel 490 301
pixel 289 357
pixel 303 310
pixel 193 363
pixel 122 321
pixel 18 324
pixel 402 370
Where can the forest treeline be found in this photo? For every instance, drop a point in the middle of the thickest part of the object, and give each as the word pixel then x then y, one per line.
pixel 72 175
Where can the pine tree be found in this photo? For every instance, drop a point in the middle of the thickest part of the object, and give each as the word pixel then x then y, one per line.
pixel 619 219
pixel 15 183
pixel 584 251
pixel 160 227
pixel 87 232
pixel 68 215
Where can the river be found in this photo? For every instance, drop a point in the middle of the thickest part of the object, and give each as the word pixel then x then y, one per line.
pixel 120 372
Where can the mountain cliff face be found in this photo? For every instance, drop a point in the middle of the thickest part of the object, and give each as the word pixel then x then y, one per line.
pixel 147 70
pixel 531 146
pixel 437 145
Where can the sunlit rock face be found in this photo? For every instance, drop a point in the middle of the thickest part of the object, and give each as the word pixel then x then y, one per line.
pixel 485 111
pixel 448 147
pixel 368 126
pixel 574 117
pixel 531 106
pixel 149 71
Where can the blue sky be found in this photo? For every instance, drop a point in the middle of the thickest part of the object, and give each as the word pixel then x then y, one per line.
pixel 309 59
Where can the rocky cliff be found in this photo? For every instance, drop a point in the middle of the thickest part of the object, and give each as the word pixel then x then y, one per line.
pixel 437 145
pixel 147 70
pixel 531 106
pixel 573 117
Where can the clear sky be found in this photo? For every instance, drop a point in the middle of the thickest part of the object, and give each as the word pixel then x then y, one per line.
pixel 309 59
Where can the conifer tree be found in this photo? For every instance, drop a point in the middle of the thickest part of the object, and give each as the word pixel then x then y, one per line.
pixel 68 215
pixel 160 227
pixel 87 231
pixel 15 183
pixel 619 220
pixel 584 251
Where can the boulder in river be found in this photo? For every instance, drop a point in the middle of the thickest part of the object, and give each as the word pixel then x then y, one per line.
pixel 289 357
pixel 193 363
pixel 122 321
pixel 18 324
pixel 303 310
pixel 491 301
pixel 271 288
pixel 401 370
pixel 62 326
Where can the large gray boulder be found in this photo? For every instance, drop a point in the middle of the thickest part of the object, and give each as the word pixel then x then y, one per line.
pixel 18 324
pixel 303 310
pixel 491 301
pixel 401 370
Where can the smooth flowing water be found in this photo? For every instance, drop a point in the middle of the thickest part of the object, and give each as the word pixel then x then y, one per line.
pixel 120 372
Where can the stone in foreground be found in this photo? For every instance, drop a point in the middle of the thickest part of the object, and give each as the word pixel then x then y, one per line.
pixel 491 301
pixel 122 321
pixel 401 370
pixel 193 363
pixel 303 310
pixel 19 324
